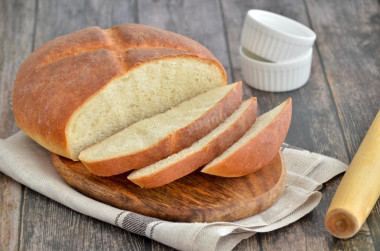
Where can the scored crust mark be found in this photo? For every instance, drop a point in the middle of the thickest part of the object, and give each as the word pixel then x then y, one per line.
pixel 119 38
pixel 78 42
pixel 120 41
pixel 133 36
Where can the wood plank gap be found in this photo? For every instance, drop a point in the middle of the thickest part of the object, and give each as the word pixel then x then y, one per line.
pixel 259 241
pixel 35 25
pixel 333 96
pixel 148 244
pixel 226 39
pixel 101 234
pixel 20 216
pixel 21 224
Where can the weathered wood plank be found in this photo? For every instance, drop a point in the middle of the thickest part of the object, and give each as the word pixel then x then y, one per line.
pixel 349 37
pixel 197 19
pixel 315 124
pixel 10 206
pixel 47 225
pixel 64 17
pixel 16 32
pixel 51 226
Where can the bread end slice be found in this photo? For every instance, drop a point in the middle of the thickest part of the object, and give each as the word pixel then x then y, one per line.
pixel 257 147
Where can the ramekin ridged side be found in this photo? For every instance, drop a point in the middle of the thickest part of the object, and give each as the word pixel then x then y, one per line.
pixel 276 77
pixel 272 43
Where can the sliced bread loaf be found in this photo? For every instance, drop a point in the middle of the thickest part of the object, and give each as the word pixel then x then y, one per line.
pixel 78 89
pixel 201 152
pixel 155 138
pixel 257 147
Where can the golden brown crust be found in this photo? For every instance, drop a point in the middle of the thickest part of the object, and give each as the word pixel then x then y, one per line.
pixel 258 151
pixel 175 142
pixel 45 102
pixel 203 156
pixel 60 76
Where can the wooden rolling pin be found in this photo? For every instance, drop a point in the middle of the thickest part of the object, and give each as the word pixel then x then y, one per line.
pixel 359 189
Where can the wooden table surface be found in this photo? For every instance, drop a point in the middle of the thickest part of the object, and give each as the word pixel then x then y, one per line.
pixel 331 115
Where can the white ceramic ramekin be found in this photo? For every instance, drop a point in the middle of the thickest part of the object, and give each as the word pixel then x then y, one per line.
pixel 275 77
pixel 275 37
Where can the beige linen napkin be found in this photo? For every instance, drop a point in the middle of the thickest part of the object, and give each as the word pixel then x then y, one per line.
pixel 28 163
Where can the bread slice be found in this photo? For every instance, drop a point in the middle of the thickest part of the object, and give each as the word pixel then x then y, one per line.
pixel 201 152
pixel 80 88
pixel 257 147
pixel 155 138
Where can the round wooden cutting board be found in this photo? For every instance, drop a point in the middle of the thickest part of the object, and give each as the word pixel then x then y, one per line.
pixel 196 197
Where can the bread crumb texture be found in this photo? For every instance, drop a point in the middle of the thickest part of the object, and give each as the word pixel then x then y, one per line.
pixel 147 90
pixel 147 132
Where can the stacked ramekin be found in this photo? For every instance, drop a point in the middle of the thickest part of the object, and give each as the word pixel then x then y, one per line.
pixel 275 51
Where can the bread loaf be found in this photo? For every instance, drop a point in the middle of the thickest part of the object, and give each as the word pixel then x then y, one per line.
pixel 201 152
pixel 157 137
pixel 80 88
pixel 257 147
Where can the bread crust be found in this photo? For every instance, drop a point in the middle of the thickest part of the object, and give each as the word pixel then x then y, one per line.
pixel 62 75
pixel 203 156
pixel 258 151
